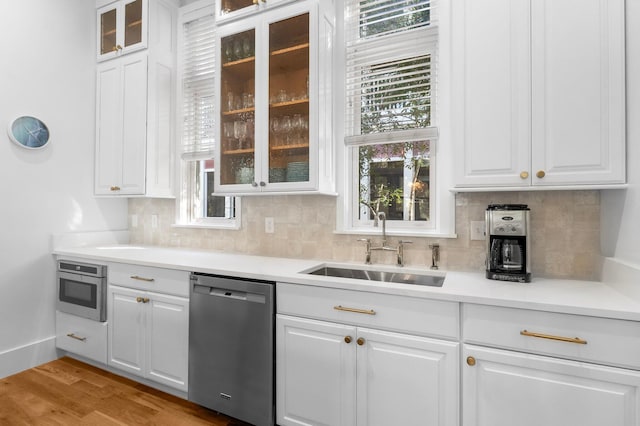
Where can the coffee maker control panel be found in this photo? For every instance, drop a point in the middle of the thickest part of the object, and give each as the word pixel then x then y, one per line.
pixel 507 223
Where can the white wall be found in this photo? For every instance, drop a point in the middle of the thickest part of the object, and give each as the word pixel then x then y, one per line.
pixel 620 221
pixel 48 66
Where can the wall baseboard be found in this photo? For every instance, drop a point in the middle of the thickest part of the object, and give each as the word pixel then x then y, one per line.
pixel 21 358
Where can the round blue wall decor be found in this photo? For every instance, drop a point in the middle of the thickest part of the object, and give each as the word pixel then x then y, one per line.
pixel 29 132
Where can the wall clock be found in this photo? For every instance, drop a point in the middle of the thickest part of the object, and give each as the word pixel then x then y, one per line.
pixel 29 132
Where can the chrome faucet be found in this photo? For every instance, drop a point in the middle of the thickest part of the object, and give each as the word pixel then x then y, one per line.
pixel 435 255
pixel 381 216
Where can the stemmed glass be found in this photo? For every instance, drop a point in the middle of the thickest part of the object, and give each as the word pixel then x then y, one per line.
pixel 287 127
pixel 246 47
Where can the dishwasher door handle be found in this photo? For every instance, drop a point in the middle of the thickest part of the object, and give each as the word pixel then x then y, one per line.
pixel 229 294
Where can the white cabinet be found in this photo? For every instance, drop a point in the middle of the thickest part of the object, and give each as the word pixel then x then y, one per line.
pixel 82 336
pixel 275 111
pixel 122 27
pixel 342 373
pixel 227 10
pixel 539 92
pixel 540 368
pixel 134 115
pixel 148 331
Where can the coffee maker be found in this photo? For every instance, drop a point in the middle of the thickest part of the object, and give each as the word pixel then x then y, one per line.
pixel 508 242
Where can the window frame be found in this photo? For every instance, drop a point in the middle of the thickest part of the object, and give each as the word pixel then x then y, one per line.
pixel 185 215
pixel 442 200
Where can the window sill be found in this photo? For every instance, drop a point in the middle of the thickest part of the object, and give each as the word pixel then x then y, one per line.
pixel 427 233
pixel 228 226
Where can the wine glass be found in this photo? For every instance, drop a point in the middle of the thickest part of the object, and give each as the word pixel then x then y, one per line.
pixel 287 127
pixel 228 51
pixel 246 47
pixel 237 48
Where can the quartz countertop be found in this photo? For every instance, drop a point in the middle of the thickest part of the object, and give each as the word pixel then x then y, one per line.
pixel 592 298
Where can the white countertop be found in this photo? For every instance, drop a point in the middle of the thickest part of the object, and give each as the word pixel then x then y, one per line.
pixel 567 296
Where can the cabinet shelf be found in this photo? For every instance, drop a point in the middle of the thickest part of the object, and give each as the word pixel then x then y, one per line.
pixel 239 62
pixel 238 111
pixel 289 147
pixel 134 23
pixel 244 151
pixel 290 49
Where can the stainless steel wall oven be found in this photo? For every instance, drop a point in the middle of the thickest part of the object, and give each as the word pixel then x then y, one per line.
pixel 82 289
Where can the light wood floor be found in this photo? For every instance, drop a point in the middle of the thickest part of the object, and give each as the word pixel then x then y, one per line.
pixel 69 392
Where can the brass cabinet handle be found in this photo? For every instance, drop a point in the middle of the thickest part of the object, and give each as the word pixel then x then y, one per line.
pixel 551 337
pixel 357 311
pixel 142 299
pixel 73 336
pixel 255 1
pixel 540 174
pixel 524 175
pixel 360 341
pixel 139 278
pixel 118 47
pixel 115 188
pixel 139 299
pixel 347 339
pixel 471 361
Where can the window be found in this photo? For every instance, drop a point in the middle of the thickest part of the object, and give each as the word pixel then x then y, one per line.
pixel 197 204
pixel 390 114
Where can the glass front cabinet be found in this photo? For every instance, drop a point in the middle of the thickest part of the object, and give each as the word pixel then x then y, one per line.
pixel 122 28
pixel 275 116
pixel 233 9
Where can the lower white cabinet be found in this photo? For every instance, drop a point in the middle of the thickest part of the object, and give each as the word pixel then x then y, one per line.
pixel 82 336
pixel 507 388
pixel 148 335
pixel 340 374
pixel 530 368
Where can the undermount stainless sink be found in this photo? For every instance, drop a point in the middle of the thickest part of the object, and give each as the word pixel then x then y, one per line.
pixel 384 276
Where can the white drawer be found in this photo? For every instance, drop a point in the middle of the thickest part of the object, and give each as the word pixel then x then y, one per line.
pixel 169 281
pixel 382 311
pixel 600 340
pixel 82 336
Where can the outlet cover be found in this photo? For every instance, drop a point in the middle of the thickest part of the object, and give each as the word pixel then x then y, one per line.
pixel 269 226
pixel 477 230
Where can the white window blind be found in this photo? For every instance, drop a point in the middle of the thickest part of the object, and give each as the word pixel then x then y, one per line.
pixel 198 88
pixel 391 56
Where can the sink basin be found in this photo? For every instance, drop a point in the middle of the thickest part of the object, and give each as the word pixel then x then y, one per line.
pixel 384 276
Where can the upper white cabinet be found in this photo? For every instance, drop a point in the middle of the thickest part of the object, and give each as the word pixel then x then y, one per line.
pixel 275 115
pixel 122 28
pixel 539 92
pixel 227 10
pixel 135 114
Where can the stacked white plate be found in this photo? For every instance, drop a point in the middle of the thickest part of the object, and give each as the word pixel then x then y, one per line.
pixel 298 171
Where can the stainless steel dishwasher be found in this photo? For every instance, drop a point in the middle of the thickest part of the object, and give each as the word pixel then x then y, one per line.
pixel 231 346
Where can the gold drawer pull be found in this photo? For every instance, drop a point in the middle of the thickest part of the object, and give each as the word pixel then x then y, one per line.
pixel 357 311
pixel 136 277
pixel 551 337
pixel 73 336
pixel 115 188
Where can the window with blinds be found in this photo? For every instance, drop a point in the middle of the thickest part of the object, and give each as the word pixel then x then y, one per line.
pixel 391 59
pixel 197 204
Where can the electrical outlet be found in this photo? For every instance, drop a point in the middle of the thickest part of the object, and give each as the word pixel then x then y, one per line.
pixel 154 221
pixel 477 230
pixel 269 226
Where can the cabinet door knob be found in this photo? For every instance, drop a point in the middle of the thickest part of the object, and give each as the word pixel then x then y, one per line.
pixel 471 361
pixel 139 299
pixel 540 174
pixel 254 184
pixel 347 339
pixel 360 341
pixel 118 47
pixel 262 183
pixel 524 175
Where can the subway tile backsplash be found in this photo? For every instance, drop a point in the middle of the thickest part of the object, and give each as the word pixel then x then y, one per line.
pixel 565 232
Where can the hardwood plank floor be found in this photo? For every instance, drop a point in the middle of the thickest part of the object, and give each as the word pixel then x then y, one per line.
pixel 70 392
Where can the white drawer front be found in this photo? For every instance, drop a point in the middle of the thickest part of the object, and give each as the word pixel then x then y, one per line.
pixel 169 281
pixel 599 340
pixel 381 311
pixel 82 336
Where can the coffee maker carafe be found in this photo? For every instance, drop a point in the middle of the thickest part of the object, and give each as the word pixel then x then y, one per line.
pixel 508 242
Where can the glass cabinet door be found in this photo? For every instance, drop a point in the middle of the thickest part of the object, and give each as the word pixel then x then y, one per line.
pixel 289 100
pixel 108 31
pixel 133 23
pixel 229 6
pixel 237 109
